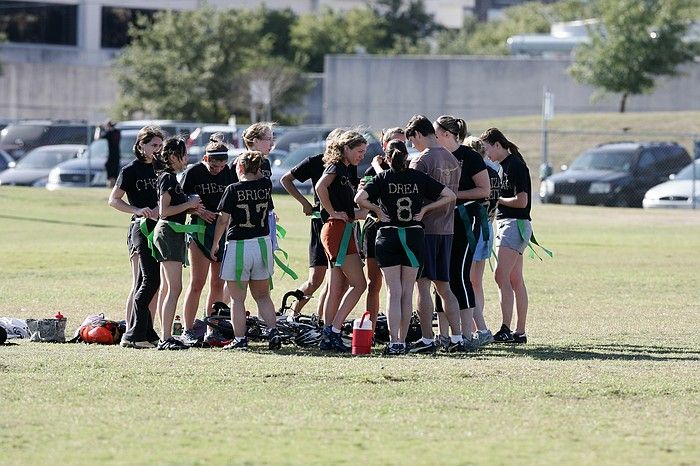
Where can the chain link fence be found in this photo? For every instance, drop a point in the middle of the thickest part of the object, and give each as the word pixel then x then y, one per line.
pixel 622 169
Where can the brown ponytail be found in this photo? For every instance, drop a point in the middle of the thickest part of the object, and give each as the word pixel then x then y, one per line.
pixel 494 135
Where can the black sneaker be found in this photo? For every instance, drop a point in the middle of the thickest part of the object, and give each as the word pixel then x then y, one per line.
pixel 394 349
pixel 190 339
pixel 504 335
pixel 325 343
pixel 420 347
pixel 275 340
pixel 171 343
pixel 519 338
pixel 241 345
pixel 337 343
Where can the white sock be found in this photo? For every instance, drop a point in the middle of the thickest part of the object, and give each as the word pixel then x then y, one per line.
pixel 239 339
pixel 427 341
pixel 456 338
pixel 335 330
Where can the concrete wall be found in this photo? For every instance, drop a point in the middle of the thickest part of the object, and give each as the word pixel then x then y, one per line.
pixel 387 91
pixel 57 91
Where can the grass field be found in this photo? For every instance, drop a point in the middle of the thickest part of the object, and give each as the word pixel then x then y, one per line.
pixel 610 375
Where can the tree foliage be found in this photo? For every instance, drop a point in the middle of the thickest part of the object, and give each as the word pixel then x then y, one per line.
pixel 637 41
pixel 406 24
pixel 489 38
pixel 333 32
pixel 194 64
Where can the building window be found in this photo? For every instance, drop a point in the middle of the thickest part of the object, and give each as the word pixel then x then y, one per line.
pixel 116 23
pixel 40 23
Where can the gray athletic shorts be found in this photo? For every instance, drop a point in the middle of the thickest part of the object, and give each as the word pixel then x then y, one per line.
pixel 508 234
pixel 253 266
pixel 169 245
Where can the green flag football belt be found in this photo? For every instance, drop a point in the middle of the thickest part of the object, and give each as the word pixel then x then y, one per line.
pixel 284 265
pixel 344 243
pixel 467 220
pixel 402 238
pixel 148 234
pixel 531 241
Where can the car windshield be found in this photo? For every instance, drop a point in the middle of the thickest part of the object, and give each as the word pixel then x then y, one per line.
pixel 687 172
pixel 617 161
pixel 16 134
pixel 43 158
pixel 98 148
pixel 297 156
pixel 294 138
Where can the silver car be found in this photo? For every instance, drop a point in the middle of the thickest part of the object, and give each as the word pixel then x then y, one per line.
pixel 678 192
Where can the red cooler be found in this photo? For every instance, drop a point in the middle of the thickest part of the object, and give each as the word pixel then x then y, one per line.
pixel 362 335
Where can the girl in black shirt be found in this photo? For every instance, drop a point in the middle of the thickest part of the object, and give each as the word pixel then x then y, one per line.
pixel 248 257
pixel 396 197
pixel 169 237
pixel 208 179
pixel 336 193
pixel 514 230
pixel 138 182
pixel 472 194
pixel 369 229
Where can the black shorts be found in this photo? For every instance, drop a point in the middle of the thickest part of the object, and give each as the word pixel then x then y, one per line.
pixel 438 250
pixel 390 251
pixel 208 242
pixel 317 255
pixel 370 236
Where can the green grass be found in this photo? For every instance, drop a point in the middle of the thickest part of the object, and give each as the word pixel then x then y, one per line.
pixel 610 375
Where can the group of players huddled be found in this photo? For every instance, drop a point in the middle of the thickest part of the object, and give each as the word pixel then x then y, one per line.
pixel 427 221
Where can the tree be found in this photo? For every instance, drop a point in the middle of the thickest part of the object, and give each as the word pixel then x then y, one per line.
pixel 637 41
pixel 490 38
pixel 191 65
pixel 333 32
pixel 406 23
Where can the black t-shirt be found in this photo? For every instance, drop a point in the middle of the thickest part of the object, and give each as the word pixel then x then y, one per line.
pixel 371 172
pixel 140 183
pixel 265 170
pixel 167 183
pixel 515 178
pixel 471 163
pixel 210 188
pixel 495 180
pixel 248 203
pixel 341 190
pixel 401 194
pixel 312 168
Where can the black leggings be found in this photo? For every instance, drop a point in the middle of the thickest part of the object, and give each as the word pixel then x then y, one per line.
pixel 461 260
pixel 141 324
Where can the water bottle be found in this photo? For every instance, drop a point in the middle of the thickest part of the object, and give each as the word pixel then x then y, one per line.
pixel 177 326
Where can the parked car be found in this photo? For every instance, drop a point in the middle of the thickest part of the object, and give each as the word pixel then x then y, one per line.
pixel 678 192
pixel 20 137
pixel 91 164
pixel 6 161
pixel 170 127
pixel 33 169
pixel 282 166
pixel 614 174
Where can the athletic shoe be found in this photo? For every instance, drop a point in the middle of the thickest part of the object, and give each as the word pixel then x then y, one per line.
pixel 216 339
pixel 172 344
pixel 275 339
pixel 485 337
pixel 325 343
pixel 520 338
pixel 453 347
pixel 470 344
pixel 137 344
pixel 188 338
pixel 443 342
pixel 337 343
pixel 420 347
pixel 241 345
pixel 394 349
pixel 504 335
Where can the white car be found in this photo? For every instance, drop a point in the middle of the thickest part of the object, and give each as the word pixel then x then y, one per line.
pixel 678 192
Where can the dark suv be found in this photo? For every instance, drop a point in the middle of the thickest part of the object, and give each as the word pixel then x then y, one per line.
pixel 615 174
pixel 19 138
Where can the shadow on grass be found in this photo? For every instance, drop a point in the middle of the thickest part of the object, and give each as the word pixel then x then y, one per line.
pixel 611 351
pixel 59 222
